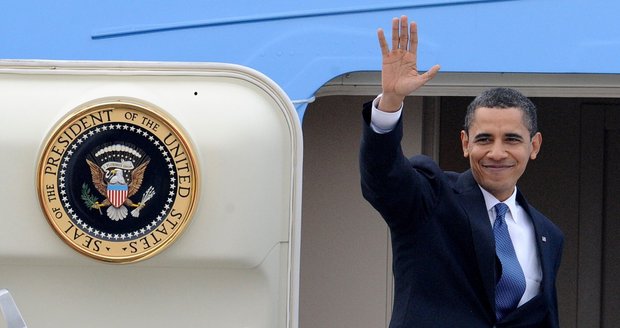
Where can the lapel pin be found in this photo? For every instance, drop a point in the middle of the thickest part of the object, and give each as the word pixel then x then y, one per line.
pixel 544 239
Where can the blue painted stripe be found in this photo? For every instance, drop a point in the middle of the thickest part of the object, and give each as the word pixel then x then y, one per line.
pixel 154 28
pixel 118 187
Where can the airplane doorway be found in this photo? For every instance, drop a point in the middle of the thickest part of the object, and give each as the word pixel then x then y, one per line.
pixel 345 257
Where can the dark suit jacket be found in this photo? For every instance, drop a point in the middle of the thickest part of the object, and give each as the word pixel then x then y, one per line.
pixel 444 262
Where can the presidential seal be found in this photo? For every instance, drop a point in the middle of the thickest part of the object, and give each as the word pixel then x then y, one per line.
pixel 117 180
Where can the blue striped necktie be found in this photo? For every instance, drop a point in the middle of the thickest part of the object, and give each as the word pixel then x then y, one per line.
pixel 511 285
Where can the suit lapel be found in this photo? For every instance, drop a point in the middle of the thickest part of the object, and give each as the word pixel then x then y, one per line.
pixel 543 246
pixel 481 230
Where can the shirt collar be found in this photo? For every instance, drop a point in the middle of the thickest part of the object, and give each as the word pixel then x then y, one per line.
pixel 490 201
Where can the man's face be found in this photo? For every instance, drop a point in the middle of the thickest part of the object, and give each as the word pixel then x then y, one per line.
pixel 499 146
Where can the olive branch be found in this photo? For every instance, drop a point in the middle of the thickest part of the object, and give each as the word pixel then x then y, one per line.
pixel 88 198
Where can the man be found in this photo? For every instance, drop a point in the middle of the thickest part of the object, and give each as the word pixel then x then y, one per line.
pixel 469 251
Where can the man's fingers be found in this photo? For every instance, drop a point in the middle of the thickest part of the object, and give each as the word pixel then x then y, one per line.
pixel 395 29
pixel 382 43
pixel 404 35
pixel 413 39
pixel 430 74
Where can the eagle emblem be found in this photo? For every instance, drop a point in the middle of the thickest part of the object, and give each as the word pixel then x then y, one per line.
pixel 117 173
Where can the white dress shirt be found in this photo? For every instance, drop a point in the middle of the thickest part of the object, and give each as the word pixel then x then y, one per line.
pixel 519 223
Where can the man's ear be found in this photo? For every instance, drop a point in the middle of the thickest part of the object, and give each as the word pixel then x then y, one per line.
pixel 465 143
pixel 536 144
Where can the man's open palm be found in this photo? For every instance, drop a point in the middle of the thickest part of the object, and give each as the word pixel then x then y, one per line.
pixel 400 75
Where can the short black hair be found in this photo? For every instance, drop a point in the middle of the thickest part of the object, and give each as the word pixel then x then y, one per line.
pixel 504 98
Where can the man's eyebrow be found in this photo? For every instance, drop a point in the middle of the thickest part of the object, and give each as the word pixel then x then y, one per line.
pixel 482 136
pixel 514 136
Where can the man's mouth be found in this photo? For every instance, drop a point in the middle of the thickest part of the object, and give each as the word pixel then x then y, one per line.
pixel 497 167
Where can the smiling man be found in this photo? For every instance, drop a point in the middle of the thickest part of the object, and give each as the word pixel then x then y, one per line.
pixel 469 251
pixel 499 137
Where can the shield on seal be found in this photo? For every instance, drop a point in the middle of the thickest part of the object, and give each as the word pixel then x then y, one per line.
pixel 117 193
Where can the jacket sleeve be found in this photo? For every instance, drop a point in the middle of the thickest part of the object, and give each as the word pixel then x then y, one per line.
pixel 401 191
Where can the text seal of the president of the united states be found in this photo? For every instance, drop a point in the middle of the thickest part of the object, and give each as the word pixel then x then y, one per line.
pixel 118 180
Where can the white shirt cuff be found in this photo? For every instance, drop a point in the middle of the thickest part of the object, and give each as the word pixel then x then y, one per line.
pixel 383 122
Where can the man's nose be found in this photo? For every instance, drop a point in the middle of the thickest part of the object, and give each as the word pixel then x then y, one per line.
pixel 497 151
